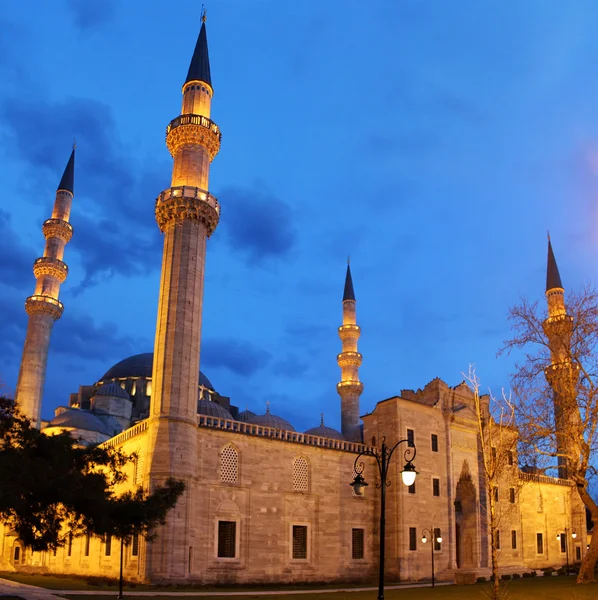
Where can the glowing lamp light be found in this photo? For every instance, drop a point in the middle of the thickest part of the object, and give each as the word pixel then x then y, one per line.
pixel 424 539
pixel 408 474
pixel 359 484
pixel 558 536
pixel 439 539
pixel 574 535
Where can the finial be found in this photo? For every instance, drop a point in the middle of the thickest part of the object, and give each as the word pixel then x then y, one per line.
pixel 267 407
pixel 74 143
pixel 204 14
pixel 349 259
pixel 548 232
pixel 321 419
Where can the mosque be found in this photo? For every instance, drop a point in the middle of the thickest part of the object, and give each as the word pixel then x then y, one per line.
pixel 265 503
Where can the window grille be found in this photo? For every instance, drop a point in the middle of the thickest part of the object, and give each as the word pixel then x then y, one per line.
pixel 539 543
pixel 411 438
pixel 357 545
pixel 514 539
pixel 139 467
pixel 135 545
pixel 434 443
pixel 300 475
pixel 300 542
pixel 227 539
pixel 229 465
pixel 412 538
pixel 436 487
pixel 108 548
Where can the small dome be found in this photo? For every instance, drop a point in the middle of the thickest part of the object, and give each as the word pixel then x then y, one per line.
pixel 245 415
pixel 114 390
pixel 213 409
pixel 79 419
pixel 270 420
pixel 326 432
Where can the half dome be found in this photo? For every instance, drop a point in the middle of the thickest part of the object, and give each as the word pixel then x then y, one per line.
pixel 213 409
pixel 245 415
pixel 326 432
pixel 270 420
pixel 113 390
pixel 75 418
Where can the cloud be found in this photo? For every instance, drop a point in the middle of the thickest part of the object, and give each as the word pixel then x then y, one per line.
pixel 258 225
pixel 237 356
pixel 290 366
pixel 15 269
pixel 115 231
pixel 91 14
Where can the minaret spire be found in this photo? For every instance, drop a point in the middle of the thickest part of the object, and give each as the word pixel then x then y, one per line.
pixel 349 360
pixel 43 307
pixel 553 277
pixel 199 69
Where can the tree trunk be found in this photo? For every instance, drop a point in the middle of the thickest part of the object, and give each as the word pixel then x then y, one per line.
pixel 495 595
pixel 588 565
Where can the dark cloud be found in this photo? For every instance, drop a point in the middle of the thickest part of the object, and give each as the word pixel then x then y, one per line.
pixel 258 225
pixel 239 357
pixel 115 231
pixel 291 366
pixel 91 14
pixel 15 267
pixel 306 335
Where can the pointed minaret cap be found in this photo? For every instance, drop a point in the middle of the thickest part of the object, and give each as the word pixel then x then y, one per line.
pixel 68 177
pixel 553 277
pixel 199 69
pixel 349 294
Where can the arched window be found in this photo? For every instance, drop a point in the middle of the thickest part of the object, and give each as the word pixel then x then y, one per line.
pixel 229 464
pixel 300 475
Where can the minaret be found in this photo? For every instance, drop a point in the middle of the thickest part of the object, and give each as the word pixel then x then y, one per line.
pixel 562 373
pixel 187 214
pixel 349 360
pixel 44 307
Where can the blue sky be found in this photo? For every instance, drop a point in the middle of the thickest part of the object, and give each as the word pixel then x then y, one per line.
pixel 434 142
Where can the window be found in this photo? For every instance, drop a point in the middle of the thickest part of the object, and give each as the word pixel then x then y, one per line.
pixel 437 546
pixel 411 488
pixel 513 539
pixel 563 538
pixel 87 541
pixel 412 538
pixel 497 539
pixel 512 495
pixel 300 475
pixel 539 543
pixel 70 545
pixel 108 547
pixel 373 440
pixel 229 464
pixel 577 552
pixel 495 493
pixel 227 539
pixel 436 486
pixel 17 554
pixel 510 460
pixel 300 542
pixel 411 438
pixel 434 443
pixel 135 545
pixel 357 544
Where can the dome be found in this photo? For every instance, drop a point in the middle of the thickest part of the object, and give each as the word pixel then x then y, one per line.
pixel 114 390
pixel 213 409
pixel 326 432
pixel 270 420
pixel 140 365
pixel 245 415
pixel 79 419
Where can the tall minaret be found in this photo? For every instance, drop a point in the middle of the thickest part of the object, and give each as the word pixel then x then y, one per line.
pixel 349 360
pixel 44 307
pixel 562 373
pixel 187 214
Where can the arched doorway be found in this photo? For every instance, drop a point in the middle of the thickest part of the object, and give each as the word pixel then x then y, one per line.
pixel 466 520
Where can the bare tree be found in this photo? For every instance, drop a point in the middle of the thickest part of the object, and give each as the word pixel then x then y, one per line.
pixel 555 392
pixel 497 439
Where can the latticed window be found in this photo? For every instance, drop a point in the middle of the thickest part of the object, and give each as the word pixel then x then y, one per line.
pixel 138 475
pixel 135 545
pixel 357 539
pixel 227 539
pixel 229 464
pixel 108 547
pixel 300 541
pixel 300 475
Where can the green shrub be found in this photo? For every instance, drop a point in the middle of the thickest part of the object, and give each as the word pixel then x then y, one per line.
pixel 505 577
pixel 517 576
pixel 561 571
pixel 547 572
pixel 481 580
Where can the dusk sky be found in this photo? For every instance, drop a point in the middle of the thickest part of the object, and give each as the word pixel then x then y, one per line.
pixel 434 142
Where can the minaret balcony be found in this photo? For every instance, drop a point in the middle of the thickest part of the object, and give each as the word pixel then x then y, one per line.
pixel 184 202
pixel 349 359
pixel 39 304
pixel 349 387
pixel 349 332
pixel 59 229
pixel 190 130
pixel 47 265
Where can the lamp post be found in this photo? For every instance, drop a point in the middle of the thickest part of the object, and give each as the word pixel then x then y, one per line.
pixel 558 537
pixel 408 475
pixel 433 538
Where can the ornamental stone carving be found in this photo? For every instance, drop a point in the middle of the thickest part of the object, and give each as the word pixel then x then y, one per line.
pixel 193 130
pixel 50 266
pixel 349 332
pixel 44 305
pixel 348 387
pixel 59 229
pixel 180 203
pixel 346 359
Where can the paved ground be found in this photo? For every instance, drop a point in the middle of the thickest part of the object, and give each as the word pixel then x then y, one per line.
pixel 30 592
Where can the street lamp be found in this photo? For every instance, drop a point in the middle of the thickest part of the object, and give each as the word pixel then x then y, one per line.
pixel 408 475
pixel 558 537
pixel 438 539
